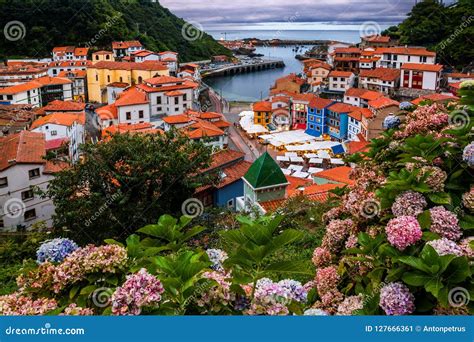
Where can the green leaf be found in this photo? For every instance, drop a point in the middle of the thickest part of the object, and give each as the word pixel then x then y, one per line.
pixel 113 242
pixel 88 289
pixel 439 197
pixel 416 278
pixel 424 219
pixel 416 263
pixel 73 291
pixel 290 267
pixel 434 286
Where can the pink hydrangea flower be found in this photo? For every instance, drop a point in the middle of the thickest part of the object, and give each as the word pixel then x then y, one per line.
pixel 466 248
pixel 326 279
pixel 396 299
pixel 349 305
pixel 74 310
pixel 17 304
pixel 321 257
pixel 403 231
pixel 336 233
pixel 445 223
pixel 218 296
pixel 139 290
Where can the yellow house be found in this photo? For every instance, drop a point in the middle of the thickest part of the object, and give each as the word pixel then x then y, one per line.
pixel 103 73
pixel 262 113
pixel 102 55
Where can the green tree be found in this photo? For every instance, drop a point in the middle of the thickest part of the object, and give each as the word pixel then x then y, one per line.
pixel 126 183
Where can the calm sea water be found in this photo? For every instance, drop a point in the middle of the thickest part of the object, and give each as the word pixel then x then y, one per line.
pixel 254 86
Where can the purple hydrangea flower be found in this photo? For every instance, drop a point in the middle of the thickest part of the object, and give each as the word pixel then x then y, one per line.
pixel 468 154
pixel 217 257
pixel 445 223
pixel 55 250
pixel 396 299
pixel 405 105
pixel 403 231
pixel 444 246
pixel 409 203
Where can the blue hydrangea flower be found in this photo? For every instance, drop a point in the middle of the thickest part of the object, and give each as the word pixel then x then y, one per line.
pixel 298 292
pixel 391 121
pixel 315 312
pixel 55 250
pixel 468 154
pixel 217 257
pixel 405 105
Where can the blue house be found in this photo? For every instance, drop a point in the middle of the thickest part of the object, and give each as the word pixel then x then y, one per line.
pixel 230 167
pixel 337 120
pixel 316 116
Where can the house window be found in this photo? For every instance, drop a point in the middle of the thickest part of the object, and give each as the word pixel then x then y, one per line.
pixel 140 114
pixel 3 182
pixel 128 115
pixel 311 126
pixel 30 214
pixel 2 224
pixel 35 173
pixel 176 109
pixel 54 133
pixel 176 100
pixel 185 97
pixel 230 203
pixel 27 195
pixel 158 100
pixel 108 78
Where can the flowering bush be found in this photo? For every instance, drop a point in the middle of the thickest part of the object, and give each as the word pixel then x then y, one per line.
pixel 217 257
pixel 139 290
pixel 55 250
pixel 445 223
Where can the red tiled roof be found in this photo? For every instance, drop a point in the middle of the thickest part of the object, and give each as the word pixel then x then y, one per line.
pixel 64 106
pixel 422 67
pixel 47 80
pixel 435 98
pixel 58 118
pixel 262 106
pixel 384 74
pixel 319 102
pixel 126 44
pixel 291 78
pixel 223 157
pixel 401 50
pixel 25 147
pixel 234 173
pixel 460 75
pixel 377 38
pixel 174 93
pixel 357 146
pixel 144 127
pixel 130 97
pixel 363 93
pixel 54 144
pixel 338 174
pixel 108 112
pixel 341 108
pixel 72 73
pixel 51 167
pixel 202 129
pixel 383 102
pixel 353 50
pixel 337 73
pixel 20 88
pixel 177 119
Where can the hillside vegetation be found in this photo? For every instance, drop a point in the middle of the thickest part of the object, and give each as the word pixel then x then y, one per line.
pixel 97 23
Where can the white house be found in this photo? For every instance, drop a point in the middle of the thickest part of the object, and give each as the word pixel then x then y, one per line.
pixel 360 97
pixel 340 81
pixel 22 171
pixel 145 55
pixel 421 76
pixel 126 48
pixel 56 67
pixel 384 80
pixel 394 57
pixel 65 126
pixel 168 95
pixel 69 53
pixel 132 107
pixel 26 93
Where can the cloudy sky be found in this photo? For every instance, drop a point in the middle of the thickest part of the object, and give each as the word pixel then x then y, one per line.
pixel 215 12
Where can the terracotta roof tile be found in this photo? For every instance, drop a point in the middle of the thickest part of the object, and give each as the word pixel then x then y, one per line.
pixel 262 106
pixel 384 74
pixel 342 108
pixel 108 112
pixel 130 97
pixel 149 65
pixel 338 174
pixel 435 98
pixel 422 67
pixel 59 118
pixel 383 102
pixel 64 106
pixel 25 147
pixel 337 73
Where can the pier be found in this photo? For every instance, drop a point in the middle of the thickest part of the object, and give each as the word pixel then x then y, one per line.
pixel 240 68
